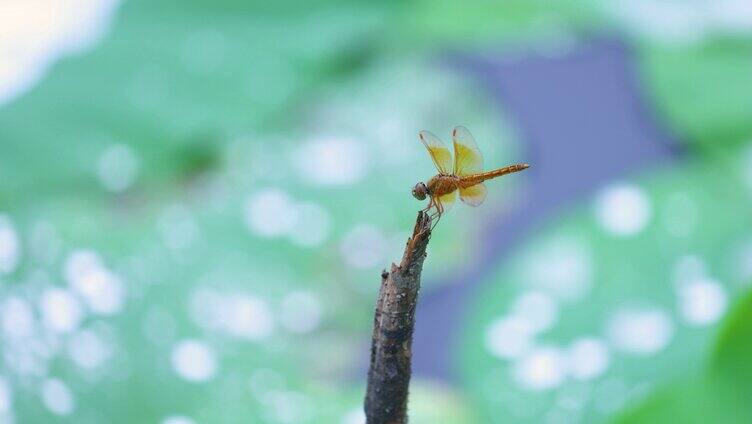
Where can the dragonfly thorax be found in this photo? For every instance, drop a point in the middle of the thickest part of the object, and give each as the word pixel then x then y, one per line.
pixel 442 184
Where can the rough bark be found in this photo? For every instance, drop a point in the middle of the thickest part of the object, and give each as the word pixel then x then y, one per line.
pixel 391 346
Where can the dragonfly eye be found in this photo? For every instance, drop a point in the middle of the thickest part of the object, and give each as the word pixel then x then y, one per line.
pixel 420 191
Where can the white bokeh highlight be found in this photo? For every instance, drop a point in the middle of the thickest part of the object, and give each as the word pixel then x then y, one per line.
pixel 270 212
pixel 331 161
pixel 702 302
pixel 57 397
pixel 543 368
pixel 587 358
pixel 117 168
pixel 102 290
pixel 642 332
pixel 677 22
pixel 178 419
pixel 194 361
pixel 6 396
pixel 537 308
pixel 61 310
pixel 10 248
pixel 562 267
pixel 354 416
pixel 34 34
pixel 623 210
pixel 17 318
pixel 509 337
pixel 364 246
pixel 239 315
pixel 301 312
pixel 88 350
pixel 247 317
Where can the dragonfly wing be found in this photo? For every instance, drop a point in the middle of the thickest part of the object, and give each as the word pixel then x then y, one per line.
pixel 439 152
pixel 448 200
pixel 467 156
pixel 474 195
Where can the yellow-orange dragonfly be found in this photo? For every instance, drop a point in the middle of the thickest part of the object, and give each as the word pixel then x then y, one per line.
pixel 466 176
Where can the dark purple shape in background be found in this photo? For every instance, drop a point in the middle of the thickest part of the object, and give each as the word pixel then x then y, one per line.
pixel 584 120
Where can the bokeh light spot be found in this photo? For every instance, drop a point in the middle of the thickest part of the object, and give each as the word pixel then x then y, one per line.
pixel 301 312
pixel 543 368
pixel 331 162
pixel 702 302
pixel 88 350
pixel 57 397
pixel 623 210
pixel 178 419
pixel 118 168
pixel 587 358
pixel 6 396
pixel 194 361
pixel 509 337
pixel 18 318
pixel 537 308
pixel 562 267
pixel 10 249
pixel 61 310
pixel 364 246
pixel 642 332
pixel 270 213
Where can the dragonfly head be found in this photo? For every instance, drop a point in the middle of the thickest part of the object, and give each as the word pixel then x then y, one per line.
pixel 420 191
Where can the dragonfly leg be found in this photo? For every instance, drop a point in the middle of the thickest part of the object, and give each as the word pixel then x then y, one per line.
pixel 434 203
pixel 429 206
pixel 436 213
pixel 437 216
pixel 427 209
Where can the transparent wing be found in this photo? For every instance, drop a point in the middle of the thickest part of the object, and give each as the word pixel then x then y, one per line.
pixel 440 155
pixel 474 195
pixel 467 156
pixel 448 200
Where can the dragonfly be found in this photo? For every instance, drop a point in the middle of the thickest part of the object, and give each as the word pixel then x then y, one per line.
pixel 465 176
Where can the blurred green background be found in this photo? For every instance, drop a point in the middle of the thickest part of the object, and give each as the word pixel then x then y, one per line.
pixel 197 198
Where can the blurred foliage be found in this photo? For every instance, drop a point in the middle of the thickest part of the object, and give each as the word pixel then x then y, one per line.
pixel 719 395
pixel 593 274
pixel 220 101
pixel 702 400
pixel 450 24
pixel 730 358
pixel 170 70
pixel 214 106
pixel 704 90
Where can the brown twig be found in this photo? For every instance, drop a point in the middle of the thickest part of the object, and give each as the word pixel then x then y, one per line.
pixel 391 346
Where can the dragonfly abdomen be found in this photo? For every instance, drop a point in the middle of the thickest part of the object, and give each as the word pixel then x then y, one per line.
pixel 471 180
